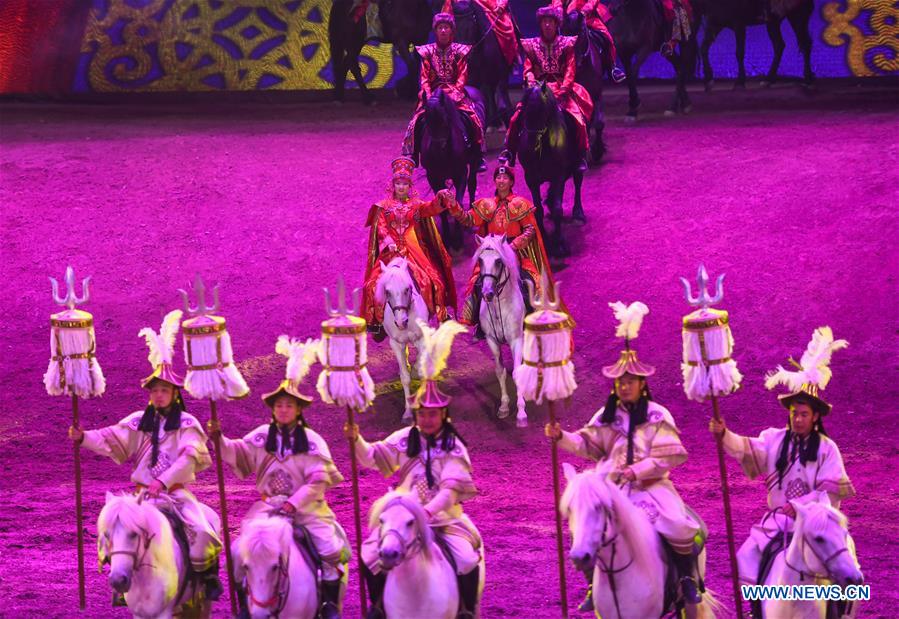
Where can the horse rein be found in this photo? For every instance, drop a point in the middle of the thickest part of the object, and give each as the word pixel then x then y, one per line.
pixel 803 542
pixel 137 557
pixel 278 599
pixel 610 570
pixel 500 285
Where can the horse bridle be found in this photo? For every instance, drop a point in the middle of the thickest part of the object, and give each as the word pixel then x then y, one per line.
pixel 407 549
pixel 278 599
pixel 137 557
pixel 610 570
pixel 499 286
pixel 803 542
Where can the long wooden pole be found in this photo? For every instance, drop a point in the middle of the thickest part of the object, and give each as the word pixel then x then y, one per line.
pixel 728 520
pixel 79 517
pixel 557 495
pixel 357 513
pixel 226 532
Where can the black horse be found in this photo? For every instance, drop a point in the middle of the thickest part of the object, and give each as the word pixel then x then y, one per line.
pixel 638 27
pixel 740 14
pixel 447 156
pixel 588 55
pixel 547 148
pixel 405 23
pixel 488 70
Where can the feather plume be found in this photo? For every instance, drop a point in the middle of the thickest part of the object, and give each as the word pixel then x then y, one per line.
pixel 814 366
pixel 629 317
pixel 436 347
pixel 162 344
pixel 300 356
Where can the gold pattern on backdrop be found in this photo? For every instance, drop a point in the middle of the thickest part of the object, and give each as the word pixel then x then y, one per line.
pixel 196 45
pixel 873 50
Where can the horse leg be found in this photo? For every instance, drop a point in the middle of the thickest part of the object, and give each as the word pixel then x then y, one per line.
pixel 740 36
pixel 505 103
pixel 401 352
pixel 521 417
pixel 777 41
pixel 799 22
pixel 556 192
pixel 711 33
pixel 689 50
pixel 633 102
pixel 406 88
pixel 356 70
pixel 503 411
pixel 598 147
pixel 539 213
pixel 578 211
pixel 338 53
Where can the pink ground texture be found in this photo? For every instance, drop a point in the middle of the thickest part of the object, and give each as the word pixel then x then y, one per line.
pixel 794 197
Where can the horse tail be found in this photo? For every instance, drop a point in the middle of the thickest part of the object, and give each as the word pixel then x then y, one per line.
pixel 711 606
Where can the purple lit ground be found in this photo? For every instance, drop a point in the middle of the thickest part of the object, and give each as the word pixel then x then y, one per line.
pixel 795 198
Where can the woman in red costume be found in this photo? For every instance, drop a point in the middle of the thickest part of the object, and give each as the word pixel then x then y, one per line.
pixel 402 225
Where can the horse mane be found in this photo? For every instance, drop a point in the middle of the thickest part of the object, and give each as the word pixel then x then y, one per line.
pixel 820 515
pixel 266 537
pixel 591 488
pixel 125 509
pixel 396 270
pixel 497 243
pixel 415 508
pixel 450 117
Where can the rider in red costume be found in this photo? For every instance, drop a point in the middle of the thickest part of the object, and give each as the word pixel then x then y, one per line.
pixel 500 18
pixel 596 15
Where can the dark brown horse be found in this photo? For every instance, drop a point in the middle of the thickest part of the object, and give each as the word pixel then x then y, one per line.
pixel 405 23
pixel 639 29
pixel 588 56
pixel 739 15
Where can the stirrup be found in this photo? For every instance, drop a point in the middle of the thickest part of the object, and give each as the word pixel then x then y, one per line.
pixel 667 49
pixel 689 590
pixel 618 75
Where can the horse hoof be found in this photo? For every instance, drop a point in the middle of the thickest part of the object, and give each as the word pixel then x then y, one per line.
pixel 670 113
pixel 739 85
pixel 521 422
pixel 708 85
pixel 687 109
pixel 503 411
pixel 579 219
pixel 766 84
pixel 630 119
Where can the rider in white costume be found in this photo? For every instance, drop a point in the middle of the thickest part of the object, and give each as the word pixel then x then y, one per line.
pixel 168 448
pixel 432 463
pixel 641 438
pixel 796 461
pixel 293 468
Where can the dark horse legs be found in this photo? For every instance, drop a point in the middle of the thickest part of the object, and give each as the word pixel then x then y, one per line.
pixel 799 20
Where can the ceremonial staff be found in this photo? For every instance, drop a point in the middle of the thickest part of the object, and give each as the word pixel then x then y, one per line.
pixel 212 375
pixel 345 381
pixel 710 372
pixel 547 373
pixel 74 371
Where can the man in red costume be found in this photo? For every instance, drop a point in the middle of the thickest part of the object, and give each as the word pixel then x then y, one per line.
pixel 550 58
pixel 444 65
pixel 512 216
pixel 401 225
pixel 500 18
pixel 596 14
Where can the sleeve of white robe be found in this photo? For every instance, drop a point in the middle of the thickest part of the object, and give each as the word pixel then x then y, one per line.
pixel 118 441
pixel 665 453
pixel 192 458
pixel 751 452
pixel 320 474
pixel 831 476
pixel 240 456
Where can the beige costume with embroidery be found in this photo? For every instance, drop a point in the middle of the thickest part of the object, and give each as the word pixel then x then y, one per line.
pixel 298 479
pixel 452 485
pixel 657 449
pixel 758 457
pixel 182 454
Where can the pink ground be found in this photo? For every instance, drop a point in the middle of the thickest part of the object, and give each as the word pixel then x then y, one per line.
pixel 794 198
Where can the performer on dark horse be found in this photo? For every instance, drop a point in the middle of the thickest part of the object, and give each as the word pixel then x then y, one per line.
pixel 549 58
pixel 501 22
pixel 402 225
pixel 595 16
pixel 444 65
pixel 678 16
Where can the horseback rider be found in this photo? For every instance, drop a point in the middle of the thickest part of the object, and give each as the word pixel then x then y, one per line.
pixel 434 466
pixel 444 65
pixel 596 14
pixel 639 435
pixel 796 461
pixel 368 9
pixel 678 15
pixel 294 469
pixel 512 216
pixel 168 448
pixel 502 23
pixel 549 58
pixel 402 225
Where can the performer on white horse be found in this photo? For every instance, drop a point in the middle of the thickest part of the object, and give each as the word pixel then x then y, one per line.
pixel 293 469
pixel 403 308
pixel 640 437
pixel 794 460
pixel 168 447
pixel 434 468
pixel 145 559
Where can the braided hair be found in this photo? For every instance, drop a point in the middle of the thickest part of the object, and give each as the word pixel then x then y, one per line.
pixel 149 421
pixel 637 416
pixel 448 436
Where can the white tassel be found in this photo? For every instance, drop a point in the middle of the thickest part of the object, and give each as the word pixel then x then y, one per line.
pixel 341 386
pixel 81 376
pixel 557 382
pixel 217 383
pixel 629 317
pixel 715 373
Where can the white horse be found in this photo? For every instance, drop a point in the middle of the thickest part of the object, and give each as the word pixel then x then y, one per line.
pixel 821 552
pixel 421 583
pixel 279 581
pixel 615 538
pixel 502 311
pixel 403 307
pixel 145 561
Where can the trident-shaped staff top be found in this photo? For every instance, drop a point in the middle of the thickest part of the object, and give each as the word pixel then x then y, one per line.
pixel 549 299
pixel 702 299
pixel 200 289
pixel 342 309
pixel 71 299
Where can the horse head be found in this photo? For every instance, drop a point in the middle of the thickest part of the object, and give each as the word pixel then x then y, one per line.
pixel 125 528
pixel 574 24
pixel 263 551
pixel 402 529
pixel 395 288
pixel 822 542
pixel 497 264
pixel 467 23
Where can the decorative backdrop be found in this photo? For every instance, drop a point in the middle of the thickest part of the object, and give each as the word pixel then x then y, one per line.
pixel 59 46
